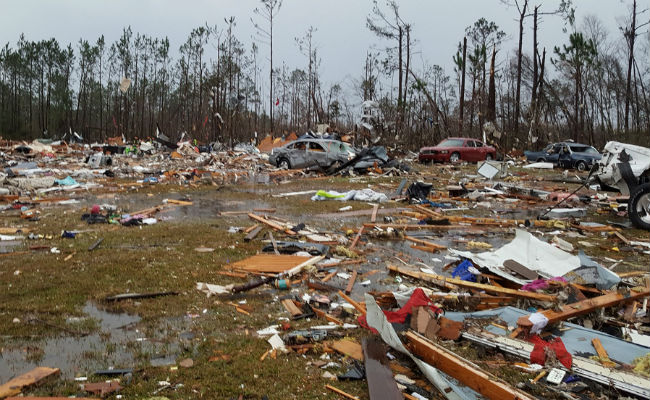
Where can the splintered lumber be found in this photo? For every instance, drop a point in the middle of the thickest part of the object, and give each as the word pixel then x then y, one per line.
pixel 585 306
pixel 290 306
pixel 347 347
pixel 33 377
pixel 250 228
pixel 464 371
pixel 272 263
pixel 373 217
pixel 381 384
pixel 323 314
pixel 356 305
pixel 415 227
pixel 443 281
pixel 425 243
pixel 348 289
pixel 356 238
pixel 427 211
pixel 330 276
pixel 179 202
pixel 251 235
pixel 341 393
pixel 271 224
pixel 602 353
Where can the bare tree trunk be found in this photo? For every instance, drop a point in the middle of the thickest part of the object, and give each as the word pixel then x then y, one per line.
pixel 522 14
pixel 630 40
pixel 400 78
pixel 462 89
pixel 491 106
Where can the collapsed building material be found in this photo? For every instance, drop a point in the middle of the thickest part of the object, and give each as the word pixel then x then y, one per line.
pixel 443 281
pixel 585 306
pixel 463 370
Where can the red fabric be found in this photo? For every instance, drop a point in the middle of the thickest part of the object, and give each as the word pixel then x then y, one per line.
pixel 538 355
pixel 418 299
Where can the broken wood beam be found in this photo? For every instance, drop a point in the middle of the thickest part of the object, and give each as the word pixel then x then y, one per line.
pixel 585 306
pixel 412 227
pixel 271 224
pixel 348 288
pixel 464 371
pixel 341 393
pixel 31 378
pixel 373 217
pixel 602 353
pixel 356 238
pixel 443 281
pixel 356 305
pixel 425 243
pixel 251 235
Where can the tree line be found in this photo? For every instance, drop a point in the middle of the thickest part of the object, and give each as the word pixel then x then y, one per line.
pixel 591 88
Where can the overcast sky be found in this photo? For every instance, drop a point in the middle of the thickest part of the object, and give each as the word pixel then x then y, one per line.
pixel 342 37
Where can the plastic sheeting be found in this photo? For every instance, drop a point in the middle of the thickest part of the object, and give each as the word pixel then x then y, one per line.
pixel 539 256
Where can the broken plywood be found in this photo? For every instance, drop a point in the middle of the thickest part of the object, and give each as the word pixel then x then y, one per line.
pixel 269 263
pixel 33 377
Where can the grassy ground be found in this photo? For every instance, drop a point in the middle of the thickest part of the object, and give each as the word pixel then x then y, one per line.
pixel 51 288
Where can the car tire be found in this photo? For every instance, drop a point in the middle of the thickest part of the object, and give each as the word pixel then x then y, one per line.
pixel 581 166
pixel 638 207
pixel 489 157
pixel 541 160
pixel 283 163
pixel 454 157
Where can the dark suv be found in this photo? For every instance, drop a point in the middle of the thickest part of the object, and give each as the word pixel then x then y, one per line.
pixel 566 155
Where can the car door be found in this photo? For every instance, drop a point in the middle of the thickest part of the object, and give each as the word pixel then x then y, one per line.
pixel 467 151
pixel 298 154
pixel 564 157
pixel 554 154
pixel 481 150
pixel 316 155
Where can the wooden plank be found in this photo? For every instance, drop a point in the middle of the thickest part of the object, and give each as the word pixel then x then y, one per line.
pixel 348 347
pixel 602 353
pixel 251 235
pixel 623 238
pixel 272 263
pixel 330 276
pixel 464 371
pixel 373 217
pixel 356 238
pixel 381 384
pixel 425 243
pixel 356 305
pixel 414 227
pixel 271 224
pixel 427 211
pixel 442 281
pixel 425 248
pixel 341 393
pixel 250 228
pixel 323 314
pixel 290 306
pixel 348 289
pixel 33 377
pixel 585 306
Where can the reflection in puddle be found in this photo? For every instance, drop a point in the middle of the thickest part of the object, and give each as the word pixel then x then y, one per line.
pixel 116 344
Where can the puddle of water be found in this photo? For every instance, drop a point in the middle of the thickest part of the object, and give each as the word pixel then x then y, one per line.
pixel 115 345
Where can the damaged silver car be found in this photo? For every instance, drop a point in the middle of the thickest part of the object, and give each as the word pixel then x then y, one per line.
pixel 626 168
pixel 306 153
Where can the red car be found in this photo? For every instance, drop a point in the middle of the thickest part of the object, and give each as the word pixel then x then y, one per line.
pixel 454 149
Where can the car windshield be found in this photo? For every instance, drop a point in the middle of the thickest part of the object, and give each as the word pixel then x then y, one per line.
pixel 451 143
pixel 584 149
